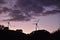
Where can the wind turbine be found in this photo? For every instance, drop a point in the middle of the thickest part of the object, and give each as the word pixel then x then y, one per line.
pixel 8 24
pixel 36 24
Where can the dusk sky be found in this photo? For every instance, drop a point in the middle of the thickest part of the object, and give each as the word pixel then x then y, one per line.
pixel 23 14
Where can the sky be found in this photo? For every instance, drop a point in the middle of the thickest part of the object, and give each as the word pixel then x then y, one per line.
pixel 23 14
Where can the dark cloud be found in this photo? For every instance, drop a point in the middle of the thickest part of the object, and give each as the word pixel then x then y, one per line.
pixel 17 15
pixel 49 2
pixel 36 5
pixel 29 5
pixel 24 10
pixel 5 9
pixel 0 11
pixel 19 18
pixel 2 1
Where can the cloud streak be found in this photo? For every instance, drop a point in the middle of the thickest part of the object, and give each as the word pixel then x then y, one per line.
pixel 51 12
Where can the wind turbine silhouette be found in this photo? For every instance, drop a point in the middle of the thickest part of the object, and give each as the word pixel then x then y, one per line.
pixel 36 24
pixel 8 23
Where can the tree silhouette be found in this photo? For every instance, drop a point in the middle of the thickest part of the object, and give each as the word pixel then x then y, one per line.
pixel 6 34
pixel 56 35
pixel 1 27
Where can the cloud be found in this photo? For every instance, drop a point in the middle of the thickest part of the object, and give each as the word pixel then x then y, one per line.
pixel 5 9
pixel 15 13
pixel 18 15
pixel 24 10
pixel 2 1
pixel 49 2
pixel 29 5
pixel 36 5
pixel 51 12
pixel 20 18
pixel 0 11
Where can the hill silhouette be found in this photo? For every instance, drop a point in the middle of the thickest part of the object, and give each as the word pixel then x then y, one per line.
pixel 7 34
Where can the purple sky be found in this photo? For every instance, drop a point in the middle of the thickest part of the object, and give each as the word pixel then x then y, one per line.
pixel 23 14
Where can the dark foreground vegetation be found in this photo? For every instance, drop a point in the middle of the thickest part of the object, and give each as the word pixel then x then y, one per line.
pixel 6 34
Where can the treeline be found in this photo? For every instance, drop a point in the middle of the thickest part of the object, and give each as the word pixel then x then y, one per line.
pixel 6 34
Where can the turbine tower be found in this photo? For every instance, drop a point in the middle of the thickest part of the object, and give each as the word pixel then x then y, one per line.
pixel 36 28
pixel 8 24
